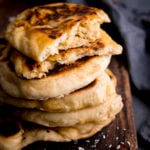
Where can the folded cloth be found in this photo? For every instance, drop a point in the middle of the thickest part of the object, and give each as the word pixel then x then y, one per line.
pixel 135 35
pixel 134 28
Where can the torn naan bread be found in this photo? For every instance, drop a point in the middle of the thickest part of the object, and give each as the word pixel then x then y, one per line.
pixel 44 30
pixel 29 69
pixel 67 78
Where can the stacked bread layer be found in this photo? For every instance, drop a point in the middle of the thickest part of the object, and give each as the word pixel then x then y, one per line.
pixel 54 76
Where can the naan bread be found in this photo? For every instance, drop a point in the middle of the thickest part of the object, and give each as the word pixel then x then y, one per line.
pixel 96 114
pixel 88 96
pixel 62 134
pixel 28 133
pixel 59 82
pixel 27 68
pixel 44 30
pixel 31 133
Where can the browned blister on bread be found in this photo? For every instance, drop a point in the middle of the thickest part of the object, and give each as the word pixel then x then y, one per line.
pixel 59 82
pixel 28 68
pixel 44 30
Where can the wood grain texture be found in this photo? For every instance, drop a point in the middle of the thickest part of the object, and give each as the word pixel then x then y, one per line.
pixel 120 134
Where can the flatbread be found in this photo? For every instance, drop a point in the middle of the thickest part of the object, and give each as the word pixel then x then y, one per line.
pixel 67 78
pixel 44 30
pixel 29 133
pixel 62 134
pixel 88 96
pixel 96 114
pixel 27 68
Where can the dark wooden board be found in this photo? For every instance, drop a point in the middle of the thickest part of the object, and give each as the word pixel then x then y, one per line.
pixel 120 134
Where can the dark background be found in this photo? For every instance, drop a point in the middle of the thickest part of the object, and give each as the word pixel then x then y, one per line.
pixel 140 85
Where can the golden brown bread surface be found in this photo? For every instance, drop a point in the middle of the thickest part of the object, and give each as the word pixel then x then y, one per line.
pixel 30 133
pixel 112 103
pixel 27 68
pixel 90 95
pixel 43 30
pixel 56 53
pixel 67 78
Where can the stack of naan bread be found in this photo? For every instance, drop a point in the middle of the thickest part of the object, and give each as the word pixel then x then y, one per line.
pixel 54 76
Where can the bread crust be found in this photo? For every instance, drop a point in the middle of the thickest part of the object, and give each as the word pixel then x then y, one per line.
pixel 43 30
pixel 88 96
pixel 96 114
pixel 31 133
pixel 57 84
pixel 29 69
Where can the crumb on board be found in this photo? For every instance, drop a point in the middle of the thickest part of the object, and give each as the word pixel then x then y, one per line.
pixel 93 146
pixel 75 142
pixel 122 143
pixel 96 141
pixel 128 142
pixel 118 147
pixel 81 148
pixel 11 18
pixel 87 141
pixel 110 146
pixel 104 137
